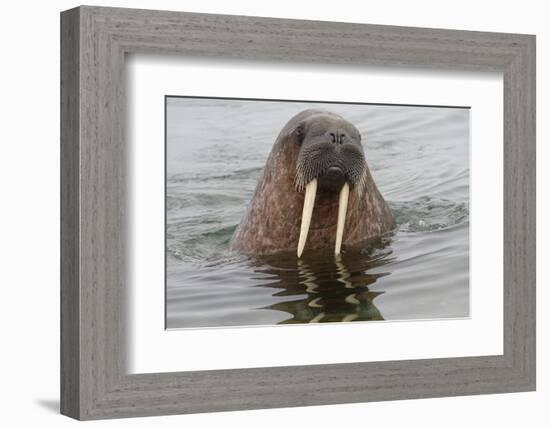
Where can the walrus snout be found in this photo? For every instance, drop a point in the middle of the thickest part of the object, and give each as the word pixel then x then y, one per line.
pixel 332 163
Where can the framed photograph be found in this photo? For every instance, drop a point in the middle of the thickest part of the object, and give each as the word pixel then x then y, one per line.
pixel 232 265
pixel 261 213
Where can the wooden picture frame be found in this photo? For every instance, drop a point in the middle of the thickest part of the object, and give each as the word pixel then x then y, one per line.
pixel 94 382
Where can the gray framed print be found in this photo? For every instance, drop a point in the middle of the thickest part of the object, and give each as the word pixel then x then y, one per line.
pixel 261 213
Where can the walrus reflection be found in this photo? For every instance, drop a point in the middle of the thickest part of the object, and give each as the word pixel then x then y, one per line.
pixel 325 289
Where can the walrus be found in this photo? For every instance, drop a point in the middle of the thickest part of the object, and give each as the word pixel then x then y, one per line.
pixel 316 191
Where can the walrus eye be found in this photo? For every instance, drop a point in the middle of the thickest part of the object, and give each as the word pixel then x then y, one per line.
pixel 299 131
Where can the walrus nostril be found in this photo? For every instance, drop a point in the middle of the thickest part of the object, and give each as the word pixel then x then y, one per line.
pixel 338 137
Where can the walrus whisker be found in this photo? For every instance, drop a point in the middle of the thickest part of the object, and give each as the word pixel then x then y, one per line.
pixel 342 209
pixel 307 211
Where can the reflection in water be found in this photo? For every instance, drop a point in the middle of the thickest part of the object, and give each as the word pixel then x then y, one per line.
pixel 326 288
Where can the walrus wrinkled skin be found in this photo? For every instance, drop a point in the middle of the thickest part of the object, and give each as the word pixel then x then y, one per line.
pixel 318 146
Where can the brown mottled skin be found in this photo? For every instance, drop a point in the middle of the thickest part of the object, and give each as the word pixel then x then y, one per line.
pixel 272 221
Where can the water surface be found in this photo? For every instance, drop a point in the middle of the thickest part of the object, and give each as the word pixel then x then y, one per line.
pixel 419 158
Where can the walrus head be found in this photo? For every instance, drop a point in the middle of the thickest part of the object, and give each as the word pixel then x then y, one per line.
pixel 330 160
pixel 316 162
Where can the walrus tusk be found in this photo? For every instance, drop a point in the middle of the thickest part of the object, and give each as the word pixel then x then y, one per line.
pixel 342 208
pixel 307 211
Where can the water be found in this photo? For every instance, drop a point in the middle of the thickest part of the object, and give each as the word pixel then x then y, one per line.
pixel 419 157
